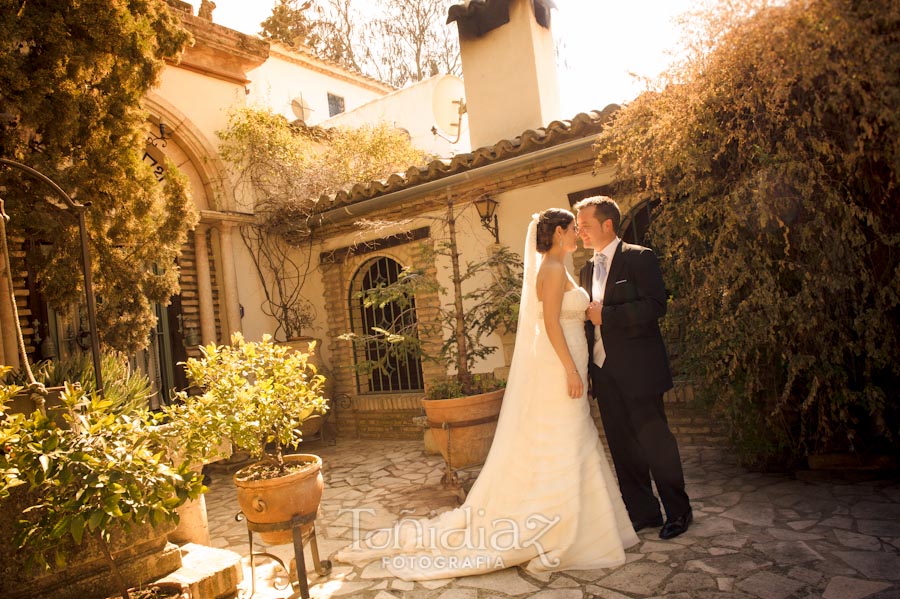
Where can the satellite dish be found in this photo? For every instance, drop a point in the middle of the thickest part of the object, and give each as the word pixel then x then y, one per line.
pixel 448 105
pixel 300 108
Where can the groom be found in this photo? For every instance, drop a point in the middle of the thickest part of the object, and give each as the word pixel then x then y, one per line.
pixel 629 369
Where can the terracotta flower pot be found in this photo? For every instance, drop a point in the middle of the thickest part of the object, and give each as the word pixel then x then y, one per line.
pixel 278 500
pixel 312 425
pixel 463 427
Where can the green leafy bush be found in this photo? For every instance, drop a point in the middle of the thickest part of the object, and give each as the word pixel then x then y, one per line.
pixel 255 393
pixel 774 151
pixel 102 472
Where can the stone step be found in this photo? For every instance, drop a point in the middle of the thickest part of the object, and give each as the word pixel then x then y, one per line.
pixel 210 573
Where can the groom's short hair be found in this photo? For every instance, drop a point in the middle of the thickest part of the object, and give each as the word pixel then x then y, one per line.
pixel 604 208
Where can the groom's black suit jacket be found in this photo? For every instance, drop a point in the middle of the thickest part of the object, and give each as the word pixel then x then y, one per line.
pixel 633 303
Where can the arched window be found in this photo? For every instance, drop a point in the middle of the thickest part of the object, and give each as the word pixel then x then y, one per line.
pixel 398 373
pixel 635 225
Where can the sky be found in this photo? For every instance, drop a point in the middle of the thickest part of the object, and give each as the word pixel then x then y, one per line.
pixel 602 42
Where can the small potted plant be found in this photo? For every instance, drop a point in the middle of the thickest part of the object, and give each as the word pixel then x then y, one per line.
pixel 259 394
pixel 100 488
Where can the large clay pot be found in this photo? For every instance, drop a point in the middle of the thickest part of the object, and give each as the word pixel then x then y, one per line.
pixel 302 344
pixel 278 500
pixel 193 524
pixel 463 427
pixel 311 426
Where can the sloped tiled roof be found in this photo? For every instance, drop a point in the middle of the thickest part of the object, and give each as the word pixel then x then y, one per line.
pixel 532 140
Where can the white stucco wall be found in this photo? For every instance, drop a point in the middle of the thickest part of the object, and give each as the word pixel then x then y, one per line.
pixel 203 104
pixel 413 109
pixel 516 207
pixel 254 323
pixel 204 100
pixel 287 75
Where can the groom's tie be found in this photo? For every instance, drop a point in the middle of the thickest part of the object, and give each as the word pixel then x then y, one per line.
pixel 600 267
pixel 599 284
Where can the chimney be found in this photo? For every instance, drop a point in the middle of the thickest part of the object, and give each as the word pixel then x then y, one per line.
pixel 509 67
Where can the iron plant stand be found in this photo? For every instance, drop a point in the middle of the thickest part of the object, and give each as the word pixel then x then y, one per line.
pixel 295 525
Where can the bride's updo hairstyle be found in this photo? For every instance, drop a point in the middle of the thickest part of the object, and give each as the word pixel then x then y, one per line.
pixel 548 220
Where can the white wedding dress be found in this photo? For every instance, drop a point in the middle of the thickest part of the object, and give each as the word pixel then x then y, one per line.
pixel 546 497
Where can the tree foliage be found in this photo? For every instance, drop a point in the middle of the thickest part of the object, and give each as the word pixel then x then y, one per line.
pixel 289 168
pixel 288 23
pixel 72 75
pixel 775 151
pixel 257 394
pixel 396 41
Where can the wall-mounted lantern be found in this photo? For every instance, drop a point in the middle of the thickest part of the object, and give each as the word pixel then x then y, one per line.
pixel 487 208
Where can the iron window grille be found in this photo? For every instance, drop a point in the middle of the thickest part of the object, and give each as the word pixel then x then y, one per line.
pixel 398 374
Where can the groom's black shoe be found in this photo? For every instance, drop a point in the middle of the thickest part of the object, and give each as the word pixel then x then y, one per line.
pixel 648 523
pixel 677 526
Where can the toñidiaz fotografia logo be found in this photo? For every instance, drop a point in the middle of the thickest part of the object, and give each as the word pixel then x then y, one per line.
pixel 469 541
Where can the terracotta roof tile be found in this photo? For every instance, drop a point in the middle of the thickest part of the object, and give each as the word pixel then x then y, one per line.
pixel 531 140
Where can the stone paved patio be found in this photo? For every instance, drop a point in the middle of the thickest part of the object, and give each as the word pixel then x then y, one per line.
pixel 816 534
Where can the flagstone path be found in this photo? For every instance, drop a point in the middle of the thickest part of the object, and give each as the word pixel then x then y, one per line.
pixel 755 536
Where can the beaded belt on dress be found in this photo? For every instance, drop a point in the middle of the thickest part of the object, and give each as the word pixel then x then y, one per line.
pixel 567 315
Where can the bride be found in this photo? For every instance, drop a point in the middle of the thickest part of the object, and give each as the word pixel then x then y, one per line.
pixel 546 497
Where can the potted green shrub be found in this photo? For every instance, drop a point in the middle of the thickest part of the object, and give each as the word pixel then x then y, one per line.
pixel 497 308
pixel 126 390
pixel 258 395
pixel 462 409
pixel 102 487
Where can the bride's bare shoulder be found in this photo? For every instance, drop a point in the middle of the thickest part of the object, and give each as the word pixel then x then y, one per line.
pixel 551 274
pixel 552 267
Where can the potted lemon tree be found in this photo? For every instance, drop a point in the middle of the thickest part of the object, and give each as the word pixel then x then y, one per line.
pixel 258 395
